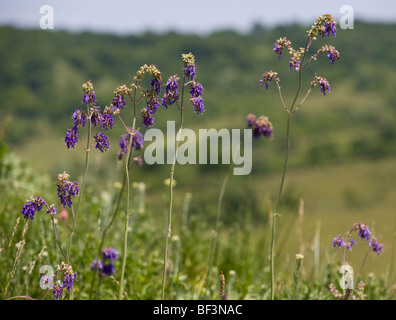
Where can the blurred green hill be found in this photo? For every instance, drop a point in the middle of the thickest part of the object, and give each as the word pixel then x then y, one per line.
pixel 343 148
pixel 41 73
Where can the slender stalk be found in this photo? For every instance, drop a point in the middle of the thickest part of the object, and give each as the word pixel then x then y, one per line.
pixel 215 231
pixel 172 172
pixel 276 214
pixel 127 214
pixel 56 237
pixel 80 196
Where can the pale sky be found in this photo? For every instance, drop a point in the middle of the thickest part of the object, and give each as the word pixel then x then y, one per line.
pixel 202 17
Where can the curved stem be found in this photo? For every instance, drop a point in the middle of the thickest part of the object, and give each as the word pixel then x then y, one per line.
pixel 276 214
pixel 127 214
pixel 56 236
pixel 172 171
pixel 79 199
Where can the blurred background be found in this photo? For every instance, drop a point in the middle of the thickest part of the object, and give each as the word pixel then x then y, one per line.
pixel 343 150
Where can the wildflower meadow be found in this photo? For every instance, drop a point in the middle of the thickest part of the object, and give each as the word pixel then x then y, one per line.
pixel 183 180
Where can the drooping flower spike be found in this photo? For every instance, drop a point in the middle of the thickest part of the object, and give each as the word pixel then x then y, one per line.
pixel 267 77
pixel 260 126
pixel 323 26
pixel 89 94
pixel 324 85
pixel 281 44
pixel 66 189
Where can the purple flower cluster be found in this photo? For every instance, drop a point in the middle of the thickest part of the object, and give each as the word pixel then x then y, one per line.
pixel 137 143
pixel 364 234
pixel 147 116
pixel 31 206
pixel 71 137
pixel 105 269
pixel 105 120
pixel 102 142
pixel 68 279
pixel 329 27
pixel 171 95
pixel 156 86
pixel 260 126
pixel 323 26
pixel 332 53
pixel 189 65
pixel 295 61
pixel 340 242
pixel 89 93
pixel 375 245
pixel 196 97
pixel 280 44
pixel 79 118
pixel 118 99
pixel 267 77
pixel 324 85
pixel 66 189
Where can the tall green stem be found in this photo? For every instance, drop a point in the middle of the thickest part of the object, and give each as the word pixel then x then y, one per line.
pixel 80 195
pixel 276 214
pixel 127 213
pixel 172 172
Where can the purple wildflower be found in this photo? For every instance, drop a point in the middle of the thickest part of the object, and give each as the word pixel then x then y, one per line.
pixel 52 210
pixel 57 291
pixel 329 27
pixel 278 50
pixel 196 97
pixel 68 281
pixel 156 86
pixel 377 247
pixel 71 137
pixel 109 254
pixel 102 142
pixel 96 265
pixel 108 270
pixel 260 126
pixel 171 95
pixel 89 93
pixel 39 201
pixel 137 140
pixel 280 44
pixel 324 86
pixel 189 65
pixel 267 77
pixel 350 243
pixel 79 118
pixel 153 105
pixel 31 206
pixel 66 189
pixel 137 143
pixel 322 82
pixel 124 142
pixel 339 241
pixel 148 118
pixel 118 102
pixel 107 119
pixel 364 231
pixel 189 71
pixel 96 117
pixel 28 210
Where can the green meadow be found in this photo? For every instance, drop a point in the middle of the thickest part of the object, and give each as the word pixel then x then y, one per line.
pixel 342 165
